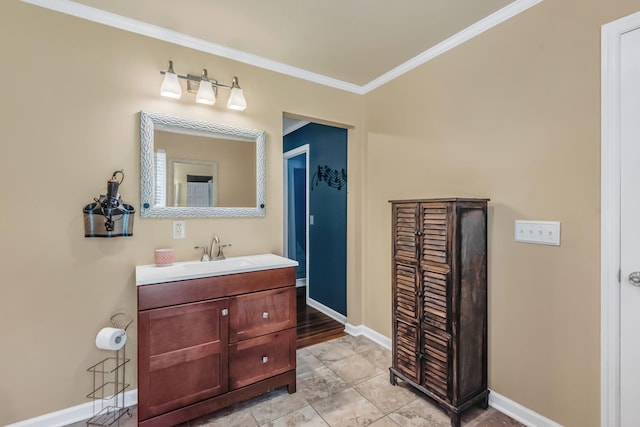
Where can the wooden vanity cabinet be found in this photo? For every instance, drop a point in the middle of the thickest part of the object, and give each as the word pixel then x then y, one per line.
pixel 439 280
pixel 204 344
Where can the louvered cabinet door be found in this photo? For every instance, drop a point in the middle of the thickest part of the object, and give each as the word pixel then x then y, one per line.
pixel 436 296
pixel 436 360
pixel 406 291
pixel 406 352
pixel 435 232
pixel 406 303
pixel 405 232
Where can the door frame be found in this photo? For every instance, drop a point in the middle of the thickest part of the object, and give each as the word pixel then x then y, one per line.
pixel 303 149
pixel 610 218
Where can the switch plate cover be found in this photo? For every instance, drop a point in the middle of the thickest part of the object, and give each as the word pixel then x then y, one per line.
pixel 538 232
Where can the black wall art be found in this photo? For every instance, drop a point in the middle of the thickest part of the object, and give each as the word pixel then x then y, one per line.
pixel 332 177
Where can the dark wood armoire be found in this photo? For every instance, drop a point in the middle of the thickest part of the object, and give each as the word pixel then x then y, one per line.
pixel 439 278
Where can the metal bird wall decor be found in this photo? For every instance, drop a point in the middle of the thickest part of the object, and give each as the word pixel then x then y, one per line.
pixel 332 177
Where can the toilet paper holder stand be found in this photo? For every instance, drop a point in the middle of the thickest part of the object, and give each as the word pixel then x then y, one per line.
pixel 109 383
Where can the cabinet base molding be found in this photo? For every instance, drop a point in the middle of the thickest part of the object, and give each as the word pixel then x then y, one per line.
pixel 213 404
pixel 481 399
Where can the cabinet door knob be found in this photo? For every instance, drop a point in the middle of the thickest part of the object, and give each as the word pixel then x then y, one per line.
pixel 265 315
pixel 225 312
pixel 418 233
pixel 265 359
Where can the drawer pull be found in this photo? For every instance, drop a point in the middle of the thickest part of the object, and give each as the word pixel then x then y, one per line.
pixel 265 359
pixel 225 312
pixel 265 315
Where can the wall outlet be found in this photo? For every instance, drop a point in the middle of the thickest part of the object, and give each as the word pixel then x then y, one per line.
pixel 179 230
pixel 538 232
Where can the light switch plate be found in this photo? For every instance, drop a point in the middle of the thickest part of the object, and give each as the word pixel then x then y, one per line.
pixel 538 232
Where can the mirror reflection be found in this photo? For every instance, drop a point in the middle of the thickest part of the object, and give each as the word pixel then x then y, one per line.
pixel 192 168
pixel 201 171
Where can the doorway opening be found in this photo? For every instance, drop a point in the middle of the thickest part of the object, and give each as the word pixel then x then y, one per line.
pixel 315 211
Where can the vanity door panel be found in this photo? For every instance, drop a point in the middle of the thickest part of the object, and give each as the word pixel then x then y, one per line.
pixel 263 357
pixel 261 313
pixel 183 355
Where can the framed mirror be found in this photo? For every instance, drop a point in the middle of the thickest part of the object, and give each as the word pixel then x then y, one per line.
pixel 193 168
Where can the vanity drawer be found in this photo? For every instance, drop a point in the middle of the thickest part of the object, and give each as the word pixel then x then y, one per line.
pixel 261 313
pixel 263 357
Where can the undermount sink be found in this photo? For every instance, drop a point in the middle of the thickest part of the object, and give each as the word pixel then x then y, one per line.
pixel 150 274
pixel 217 265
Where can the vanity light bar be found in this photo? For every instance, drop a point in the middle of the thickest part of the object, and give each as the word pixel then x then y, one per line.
pixel 171 88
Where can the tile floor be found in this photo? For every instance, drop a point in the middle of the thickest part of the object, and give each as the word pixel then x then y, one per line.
pixel 341 383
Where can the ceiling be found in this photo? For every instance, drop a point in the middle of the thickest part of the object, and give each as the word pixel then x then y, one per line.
pixel 354 45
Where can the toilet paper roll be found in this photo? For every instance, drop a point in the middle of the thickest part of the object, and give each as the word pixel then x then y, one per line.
pixel 111 338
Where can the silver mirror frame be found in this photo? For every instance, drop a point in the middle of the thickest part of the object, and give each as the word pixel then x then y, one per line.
pixel 149 122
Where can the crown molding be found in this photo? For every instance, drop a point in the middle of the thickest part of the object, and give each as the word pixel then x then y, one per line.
pixel 457 39
pixel 138 27
pixel 154 31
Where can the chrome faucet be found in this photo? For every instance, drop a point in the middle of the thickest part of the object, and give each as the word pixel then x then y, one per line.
pixel 219 255
pixel 207 252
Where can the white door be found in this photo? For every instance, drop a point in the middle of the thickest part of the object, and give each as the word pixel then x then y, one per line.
pixel 630 231
pixel 291 239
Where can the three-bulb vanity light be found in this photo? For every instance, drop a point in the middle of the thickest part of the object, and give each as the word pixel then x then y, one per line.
pixel 205 89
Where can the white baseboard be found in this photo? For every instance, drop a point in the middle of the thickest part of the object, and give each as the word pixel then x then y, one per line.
pixel 73 414
pixel 374 336
pixel 326 310
pixel 518 412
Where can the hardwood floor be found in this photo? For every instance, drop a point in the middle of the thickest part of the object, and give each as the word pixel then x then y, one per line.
pixel 315 327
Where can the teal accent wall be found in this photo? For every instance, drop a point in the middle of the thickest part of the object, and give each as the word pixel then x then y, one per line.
pixel 328 235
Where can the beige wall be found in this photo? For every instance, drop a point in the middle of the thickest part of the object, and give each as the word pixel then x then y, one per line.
pixel 513 115
pixel 71 97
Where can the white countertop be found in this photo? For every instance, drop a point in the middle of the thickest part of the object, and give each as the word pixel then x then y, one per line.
pixel 150 274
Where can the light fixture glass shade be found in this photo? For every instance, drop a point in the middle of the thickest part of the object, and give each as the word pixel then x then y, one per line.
pixel 206 95
pixel 236 100
pixel 236 97
pixel 170 85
